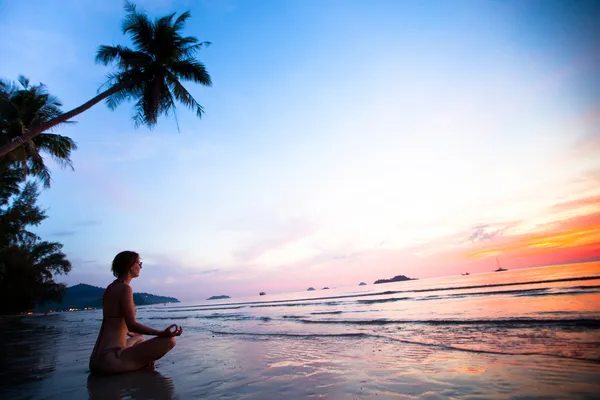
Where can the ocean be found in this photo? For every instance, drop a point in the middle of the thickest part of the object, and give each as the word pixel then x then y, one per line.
pixel 529 333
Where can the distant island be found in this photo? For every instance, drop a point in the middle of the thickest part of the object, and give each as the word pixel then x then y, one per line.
pixel 83 296
pixel 397 278
pixel 218 297
pixel 362 284
pixel 310 289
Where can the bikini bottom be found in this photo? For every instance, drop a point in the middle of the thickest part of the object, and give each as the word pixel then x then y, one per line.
pixel 98 363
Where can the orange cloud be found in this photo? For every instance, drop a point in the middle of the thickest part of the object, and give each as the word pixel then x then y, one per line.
pixel 577 237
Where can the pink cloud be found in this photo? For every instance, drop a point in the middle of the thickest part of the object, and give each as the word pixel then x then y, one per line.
pixel 577 203
pixel 276 237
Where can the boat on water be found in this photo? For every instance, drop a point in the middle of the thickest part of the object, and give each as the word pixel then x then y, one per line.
pixel 262 293
pixel 500 269
pixel 466 273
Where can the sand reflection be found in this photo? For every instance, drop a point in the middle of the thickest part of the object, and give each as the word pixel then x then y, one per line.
pixel 136 385
pixel 26 356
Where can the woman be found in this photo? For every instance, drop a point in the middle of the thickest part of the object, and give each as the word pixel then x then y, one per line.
pixel 113 352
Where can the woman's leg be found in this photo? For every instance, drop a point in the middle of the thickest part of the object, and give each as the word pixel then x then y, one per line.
pixel 132 341
pixel 145 352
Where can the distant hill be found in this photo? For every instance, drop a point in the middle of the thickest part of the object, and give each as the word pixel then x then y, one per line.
pixel 397 278
pixel 219 297
pixel 87 296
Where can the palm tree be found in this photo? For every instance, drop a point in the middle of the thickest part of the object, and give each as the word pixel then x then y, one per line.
pixel 150 74
pixel 23 107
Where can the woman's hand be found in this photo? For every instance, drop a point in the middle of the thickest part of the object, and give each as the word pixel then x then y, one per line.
pixel 172 330
pixel 132 334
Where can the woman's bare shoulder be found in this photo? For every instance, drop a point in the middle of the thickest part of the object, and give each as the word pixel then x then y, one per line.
pixel 118 289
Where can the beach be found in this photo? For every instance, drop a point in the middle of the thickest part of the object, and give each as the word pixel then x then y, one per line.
pixel 531 333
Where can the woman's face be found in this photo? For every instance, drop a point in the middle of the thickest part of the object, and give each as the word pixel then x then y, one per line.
pixel 136 268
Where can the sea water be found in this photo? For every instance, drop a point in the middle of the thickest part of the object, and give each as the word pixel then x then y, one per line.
pixel 530 333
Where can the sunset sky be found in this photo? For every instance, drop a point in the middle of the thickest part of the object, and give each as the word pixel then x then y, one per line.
pixel 343 141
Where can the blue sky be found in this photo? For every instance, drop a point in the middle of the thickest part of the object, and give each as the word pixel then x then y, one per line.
pixel 343 141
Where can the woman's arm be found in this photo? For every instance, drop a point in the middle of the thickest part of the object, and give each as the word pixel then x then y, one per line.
pixel 128 310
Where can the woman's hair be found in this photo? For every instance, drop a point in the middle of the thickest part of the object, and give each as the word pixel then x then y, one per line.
pixel 123 261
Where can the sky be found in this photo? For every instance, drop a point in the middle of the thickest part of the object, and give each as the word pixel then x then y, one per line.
pixel 342 141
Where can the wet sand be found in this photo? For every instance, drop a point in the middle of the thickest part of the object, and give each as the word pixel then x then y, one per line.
pixel 47 358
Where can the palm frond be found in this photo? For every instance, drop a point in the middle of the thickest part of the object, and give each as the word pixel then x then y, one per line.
pixel 167 103
pixel 165 99
pixel 106 54
pixel 114 78
pixel 151 102
pixel 23 81
pixel 35 164
pixel 129 6
pixel 125 57
pixel 184 41
pixel 115 99
pixel 47 108
pixel 180 21
pixel 187 51
pixel 52 102
pixel 139 117
pixel 165 22
pixel 191 70
pixel 58 147
pixel 184 97
pixel 131 82
pixel 139 28
pixel 5 87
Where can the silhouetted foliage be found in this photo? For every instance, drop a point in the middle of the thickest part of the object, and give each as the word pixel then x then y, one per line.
pixel 21 107
pixel 27 263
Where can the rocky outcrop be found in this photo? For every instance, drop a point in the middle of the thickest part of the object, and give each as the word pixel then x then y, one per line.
pixel 218 297
pixel 397 278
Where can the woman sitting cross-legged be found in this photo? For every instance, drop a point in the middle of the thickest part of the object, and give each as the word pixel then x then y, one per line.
pixel 114 352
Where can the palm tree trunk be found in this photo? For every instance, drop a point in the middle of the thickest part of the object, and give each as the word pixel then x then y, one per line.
pixel 30 134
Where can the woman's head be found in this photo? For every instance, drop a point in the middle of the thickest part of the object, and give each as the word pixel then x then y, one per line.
pixel 126 262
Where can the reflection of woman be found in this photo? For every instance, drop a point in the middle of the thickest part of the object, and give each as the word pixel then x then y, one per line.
pixel 141 385
pixel 113 352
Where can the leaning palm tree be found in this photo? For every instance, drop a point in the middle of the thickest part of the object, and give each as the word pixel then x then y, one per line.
pixel 24 106
pixel 150 74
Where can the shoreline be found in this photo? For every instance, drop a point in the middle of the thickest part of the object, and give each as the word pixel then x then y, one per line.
pixel 210 365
